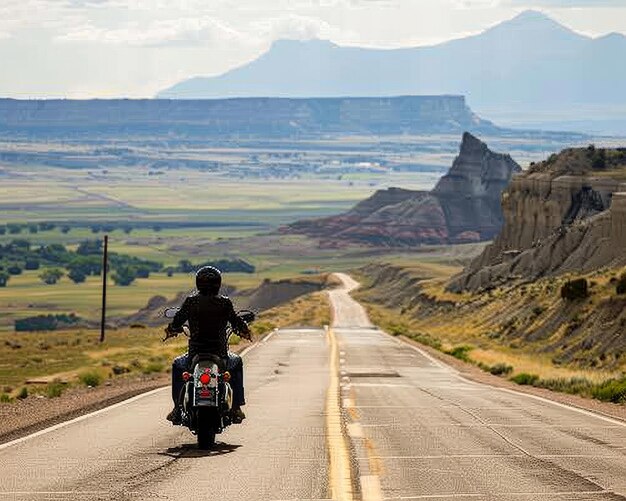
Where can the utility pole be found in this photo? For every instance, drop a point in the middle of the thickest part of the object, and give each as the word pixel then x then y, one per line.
pixel 104 286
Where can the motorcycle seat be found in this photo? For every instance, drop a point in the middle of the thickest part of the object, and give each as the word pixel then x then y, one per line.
pixel 208 357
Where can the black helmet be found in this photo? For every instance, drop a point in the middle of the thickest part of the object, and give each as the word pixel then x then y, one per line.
pixel 208 280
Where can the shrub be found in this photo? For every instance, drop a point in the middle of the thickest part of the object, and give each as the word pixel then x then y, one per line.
pixel 76 275
pixel 124 276
pixel 612 390
pixel 31 264
pixel 620 287
pixel 574 385
pixel 55 389
pixel 398 330
pixel 23 393
pixel 5 398
pixel 461 352
pixel 14 269
pixel 4 278
pixel 538 310
pixel 598 160
pixel 427 340
pixel 501 369
pixel 46 322
pixel 575 289
pixel 153 367
pixel 118 370
pixel 51 276
pixel 90 378
pixel 524 378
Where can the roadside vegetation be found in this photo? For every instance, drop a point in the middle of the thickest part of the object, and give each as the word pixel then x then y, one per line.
pixel 48 363
pixel 543 334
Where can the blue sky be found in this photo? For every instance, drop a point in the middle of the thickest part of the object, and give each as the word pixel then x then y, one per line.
pixel 113 48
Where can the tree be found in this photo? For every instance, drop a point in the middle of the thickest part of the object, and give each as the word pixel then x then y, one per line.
pixel 89 247
pixel 124 276
pixel 51 276
pixel 14 229
pixel 14 269
pixel 3 230
pixel 88 265
pixel 33 228
pixel 31 264
pixel 185 266
pixel 65 229
pixel 4 278
pixel 77 275
pixel 142 272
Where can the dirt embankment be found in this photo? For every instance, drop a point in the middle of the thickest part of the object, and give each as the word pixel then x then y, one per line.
pixel 530 318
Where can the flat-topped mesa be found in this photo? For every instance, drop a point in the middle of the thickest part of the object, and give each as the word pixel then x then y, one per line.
pixel 567 214
pixel 254 116
pixel 464 207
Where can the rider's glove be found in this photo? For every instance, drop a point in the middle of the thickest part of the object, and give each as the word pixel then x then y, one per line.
pixel 171 332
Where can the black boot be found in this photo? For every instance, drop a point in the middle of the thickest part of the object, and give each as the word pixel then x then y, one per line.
pixel 175 416
pixel 237 415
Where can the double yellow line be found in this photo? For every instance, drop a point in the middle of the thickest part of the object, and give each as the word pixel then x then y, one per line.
pixel 340 476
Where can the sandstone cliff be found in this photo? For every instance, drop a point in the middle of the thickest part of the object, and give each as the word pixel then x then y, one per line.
pixel 567 214
pixel 463 207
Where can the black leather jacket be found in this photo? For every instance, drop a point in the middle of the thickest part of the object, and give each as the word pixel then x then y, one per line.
pixel 208 317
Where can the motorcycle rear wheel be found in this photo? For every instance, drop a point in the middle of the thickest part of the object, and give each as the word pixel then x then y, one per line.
pixel 206 428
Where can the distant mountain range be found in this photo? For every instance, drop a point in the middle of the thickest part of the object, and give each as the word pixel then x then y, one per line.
pixel 529 63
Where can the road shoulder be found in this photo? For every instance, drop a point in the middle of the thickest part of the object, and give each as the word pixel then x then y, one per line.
pixel 473 373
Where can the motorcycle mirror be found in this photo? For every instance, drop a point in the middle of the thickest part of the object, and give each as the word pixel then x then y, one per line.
pixel 170 312
pixel 247 316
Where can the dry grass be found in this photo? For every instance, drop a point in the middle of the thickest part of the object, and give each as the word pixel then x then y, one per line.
pixel 524 326
pixel 49 357
pixel 311 310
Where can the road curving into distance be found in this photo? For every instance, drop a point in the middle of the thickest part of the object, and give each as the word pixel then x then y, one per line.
pixel 347 414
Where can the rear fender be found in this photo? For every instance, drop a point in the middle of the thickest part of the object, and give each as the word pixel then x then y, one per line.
pixel 205 395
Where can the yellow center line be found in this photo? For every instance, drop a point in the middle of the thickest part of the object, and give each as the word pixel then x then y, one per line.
pixel 340 477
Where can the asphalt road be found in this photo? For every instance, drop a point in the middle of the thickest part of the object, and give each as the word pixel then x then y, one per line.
pixel 420 431
pixel 346 414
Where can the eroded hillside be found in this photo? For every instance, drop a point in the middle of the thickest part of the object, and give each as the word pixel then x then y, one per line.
pixel 564 215
pixel 549 294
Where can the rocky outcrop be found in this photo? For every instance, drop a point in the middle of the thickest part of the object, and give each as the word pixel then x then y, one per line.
pixel 567 214
pixel 463 207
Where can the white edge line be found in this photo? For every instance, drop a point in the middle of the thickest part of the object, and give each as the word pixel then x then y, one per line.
pixel 78 419
pixel 441 364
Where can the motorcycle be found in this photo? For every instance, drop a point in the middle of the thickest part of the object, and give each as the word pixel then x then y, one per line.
pixel 207 397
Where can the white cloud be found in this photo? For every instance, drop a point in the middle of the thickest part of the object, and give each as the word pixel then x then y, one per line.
pixel 294 27
pixel 183 31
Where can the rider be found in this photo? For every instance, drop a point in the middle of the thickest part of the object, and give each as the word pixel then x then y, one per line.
pixel 208 315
